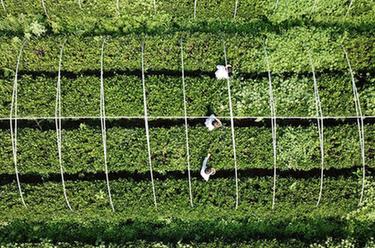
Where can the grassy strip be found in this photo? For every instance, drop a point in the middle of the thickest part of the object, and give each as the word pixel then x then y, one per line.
pixel 287 52
pixel 298 148
pixel 104 16
pixel 80 96
pixel 213 216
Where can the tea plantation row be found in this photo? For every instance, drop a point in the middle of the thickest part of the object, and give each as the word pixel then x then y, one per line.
pixel 170 16
pixel 298 148
pixel 213 216
pixel 182 9
pixel 288 51
pixel 124 97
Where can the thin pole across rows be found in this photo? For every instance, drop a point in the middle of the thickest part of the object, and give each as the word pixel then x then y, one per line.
pixel 276 4
pixel 232 128
pixel 146 123
pixel 319 118
pixel 45 9
pixel 103 126
pixel 361 132
pixel 13 118
pixel 118 7
pixel 186 123
pixel 314 5
pixel 80 4
pixel 3 5
pixel 235 9
pixel 273 126
pixel 58 126
pixel 349 7
pixel 195 8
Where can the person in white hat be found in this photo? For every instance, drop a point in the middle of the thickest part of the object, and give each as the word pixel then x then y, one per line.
pixel 223 72
pixel 212 122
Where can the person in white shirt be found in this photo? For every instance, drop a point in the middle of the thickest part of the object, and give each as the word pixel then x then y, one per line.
pixel 206 171
pixel 222 72
pixel 212 122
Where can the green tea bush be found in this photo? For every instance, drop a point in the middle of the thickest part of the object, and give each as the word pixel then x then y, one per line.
pixel 170 16
pixel 288 52
pixel 124 96
pixel 212 217
pixel 297 148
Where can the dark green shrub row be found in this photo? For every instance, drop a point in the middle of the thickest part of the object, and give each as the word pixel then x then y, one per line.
pixel 103 17
pixel 298 148
pixel 124 96
pixel 212 217
pixel 287 52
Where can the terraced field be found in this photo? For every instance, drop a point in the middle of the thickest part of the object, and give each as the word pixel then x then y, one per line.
pixel 102 134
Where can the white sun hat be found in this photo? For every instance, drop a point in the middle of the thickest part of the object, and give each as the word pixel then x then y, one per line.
pixel 221 72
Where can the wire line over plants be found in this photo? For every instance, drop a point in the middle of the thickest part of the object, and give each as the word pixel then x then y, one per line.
pixel 13 126
pixel 319 118
pixel 146 123
pixel 235 9
pixel 232 128
pixel 58 126
pixel 186 123
pixel 103 126
pixel 361 132
pixel 273 124
pixel 45 9
pixel 3 5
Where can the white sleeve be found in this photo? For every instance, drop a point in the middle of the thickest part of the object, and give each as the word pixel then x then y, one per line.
pixel 209 122
pixel 203 169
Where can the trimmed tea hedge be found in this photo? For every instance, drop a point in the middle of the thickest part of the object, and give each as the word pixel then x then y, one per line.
pixel 287 52
pixel 182 9
pixel 213 216
pixel 298 148
pixel 124 96
pixel 171 16
pixel 290 32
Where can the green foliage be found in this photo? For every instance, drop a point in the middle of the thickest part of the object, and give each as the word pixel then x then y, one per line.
pixel 102 17
pixel 288 52
pixel 36 29
pixel 213 216
pixel 124 96
pixel 344 243
pixel 291 30
pixel 362 219
pixel 298 148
